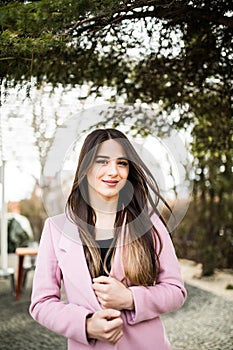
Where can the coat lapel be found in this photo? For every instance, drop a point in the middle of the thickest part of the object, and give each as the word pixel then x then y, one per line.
pixel 73 265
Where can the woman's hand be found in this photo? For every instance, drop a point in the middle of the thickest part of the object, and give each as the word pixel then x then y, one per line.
pixel 105 325
pixel 113 294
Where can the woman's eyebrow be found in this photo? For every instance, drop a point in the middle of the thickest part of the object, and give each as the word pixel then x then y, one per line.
pixel 106 157
pixel 99 156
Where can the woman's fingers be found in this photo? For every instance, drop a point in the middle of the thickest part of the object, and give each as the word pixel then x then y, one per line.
pixel 102 279
pixel 113 330
pixel 112 293
pixel 109 314
pixel 105 325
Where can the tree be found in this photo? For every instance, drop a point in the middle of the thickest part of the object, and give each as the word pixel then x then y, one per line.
pixel 33 209
pixel 171 55
pixel 75 41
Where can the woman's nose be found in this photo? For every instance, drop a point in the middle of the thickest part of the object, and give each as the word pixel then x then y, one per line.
pixel 112 167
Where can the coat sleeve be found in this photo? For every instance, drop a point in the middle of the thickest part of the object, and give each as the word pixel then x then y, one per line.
pixel 46 306
pixel 169 292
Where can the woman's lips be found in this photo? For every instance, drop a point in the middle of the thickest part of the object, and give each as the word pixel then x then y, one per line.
pixel 110 183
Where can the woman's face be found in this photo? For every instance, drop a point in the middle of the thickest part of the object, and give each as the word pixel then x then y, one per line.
pixel 109 172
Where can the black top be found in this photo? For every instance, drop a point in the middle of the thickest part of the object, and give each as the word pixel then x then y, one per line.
pixel 104 245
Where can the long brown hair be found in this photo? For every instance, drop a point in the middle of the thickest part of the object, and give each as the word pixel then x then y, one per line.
pixel 142 243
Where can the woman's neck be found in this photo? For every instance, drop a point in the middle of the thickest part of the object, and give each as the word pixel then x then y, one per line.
pixel 103 205
pixel 104 226
pixel 105 212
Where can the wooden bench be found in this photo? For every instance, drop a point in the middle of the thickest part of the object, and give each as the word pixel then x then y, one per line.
pixel 21 253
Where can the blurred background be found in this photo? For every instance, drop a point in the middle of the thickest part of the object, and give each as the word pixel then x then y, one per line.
pixel 160 72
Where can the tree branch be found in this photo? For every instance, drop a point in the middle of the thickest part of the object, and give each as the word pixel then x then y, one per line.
pixel 14 58
pixel 146 9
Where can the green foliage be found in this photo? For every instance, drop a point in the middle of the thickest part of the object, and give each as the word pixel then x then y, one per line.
pixel 229 286
pixel 206 234
pixel 63 32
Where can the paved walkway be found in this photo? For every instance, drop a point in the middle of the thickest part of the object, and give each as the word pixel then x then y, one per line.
pixel 205 322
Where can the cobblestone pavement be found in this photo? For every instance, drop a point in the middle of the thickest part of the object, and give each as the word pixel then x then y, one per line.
pixel 205 322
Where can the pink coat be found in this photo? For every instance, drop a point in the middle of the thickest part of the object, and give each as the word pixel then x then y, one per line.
pixel 61 257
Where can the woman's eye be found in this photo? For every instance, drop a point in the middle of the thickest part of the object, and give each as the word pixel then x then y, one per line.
pixel 123 163
pixel 101 161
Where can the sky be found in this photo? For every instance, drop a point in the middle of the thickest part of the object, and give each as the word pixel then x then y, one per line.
pixel 19 184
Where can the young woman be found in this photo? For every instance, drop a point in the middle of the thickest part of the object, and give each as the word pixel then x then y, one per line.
pixel 112 252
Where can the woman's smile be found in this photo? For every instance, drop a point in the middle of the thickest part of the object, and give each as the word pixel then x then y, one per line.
pixel 111 183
